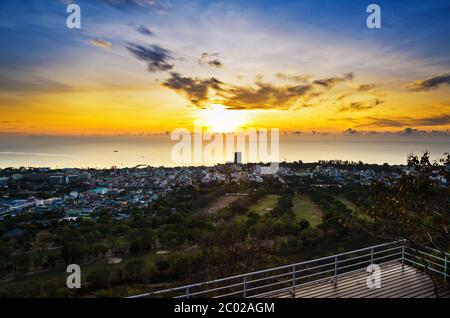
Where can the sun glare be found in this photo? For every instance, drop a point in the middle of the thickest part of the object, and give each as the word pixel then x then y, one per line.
pixel 220 120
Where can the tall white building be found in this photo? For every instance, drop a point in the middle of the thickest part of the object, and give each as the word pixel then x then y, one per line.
pixel 238 157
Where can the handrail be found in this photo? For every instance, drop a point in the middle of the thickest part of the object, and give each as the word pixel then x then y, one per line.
pixel 247 281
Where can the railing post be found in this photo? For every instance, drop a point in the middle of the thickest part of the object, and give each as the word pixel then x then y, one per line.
pixel 403 256
pixel 245 286
pixel 371 256
pixel 293 281
pixel 445 266
pixel 187 292
pixel 335 270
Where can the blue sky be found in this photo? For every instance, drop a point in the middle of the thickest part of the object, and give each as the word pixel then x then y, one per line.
pixel 32 31
pixel 243 45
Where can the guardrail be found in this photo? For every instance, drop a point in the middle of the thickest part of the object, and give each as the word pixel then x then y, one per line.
pixel 435 261
pixel 289 277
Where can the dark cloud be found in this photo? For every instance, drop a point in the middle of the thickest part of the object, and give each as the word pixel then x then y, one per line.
pixel 260 95
pixel 332 81
pixel 350 131
pixel 144 30
pixel 156 57
pixel 437 120
pixel 429 84
pixel 409 131
pixel 365 87
pixel 344 95
pixel 360 106
pixel 215 63
pixel 211 59
pixel 384 122
pixel 266 96
pixel 195 89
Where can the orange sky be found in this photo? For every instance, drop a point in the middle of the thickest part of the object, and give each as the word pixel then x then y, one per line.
pixel 233 69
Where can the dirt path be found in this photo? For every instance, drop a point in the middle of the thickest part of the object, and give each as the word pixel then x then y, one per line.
pixel 218 204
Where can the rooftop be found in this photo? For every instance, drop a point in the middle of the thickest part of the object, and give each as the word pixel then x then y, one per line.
pixel 386 270
pixel 396 282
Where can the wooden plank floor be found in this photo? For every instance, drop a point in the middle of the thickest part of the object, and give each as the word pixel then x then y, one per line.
pixel 395 283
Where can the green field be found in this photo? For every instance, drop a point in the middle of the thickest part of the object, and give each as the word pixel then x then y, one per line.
pixel 348 204
pixel 265 204
pixel 59 275
pixel 352 207
pixel 305 208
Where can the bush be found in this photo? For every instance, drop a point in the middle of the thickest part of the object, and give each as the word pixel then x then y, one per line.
pixel 99 278
pixel 162 264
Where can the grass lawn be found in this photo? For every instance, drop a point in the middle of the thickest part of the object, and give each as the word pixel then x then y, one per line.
pixel 59 275
pixel 352 207
pixel 305 208
pixel 264 205
pixel 348 204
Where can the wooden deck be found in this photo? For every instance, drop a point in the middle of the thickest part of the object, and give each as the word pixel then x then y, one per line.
pixel 395 283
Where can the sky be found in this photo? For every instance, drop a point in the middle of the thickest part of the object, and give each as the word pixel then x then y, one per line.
pixel 151 66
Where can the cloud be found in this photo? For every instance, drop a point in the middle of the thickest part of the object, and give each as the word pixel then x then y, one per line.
pixel 350 131
pixel 125 4
pixel 260 95
pixel 211 59
pixel 197 90
pixel 144 30
pixel 157 58
pixel 383 122
pixel 436 120
pixel 265 96
pixel 429 84
pixel 360 106
pixel 215 63
pixel 332 81
pixel 101 43
pixel 409 131
pixel 343 95
pixel 292 77
pixel 365 87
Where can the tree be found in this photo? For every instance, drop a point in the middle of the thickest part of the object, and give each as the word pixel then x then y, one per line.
pixel 228 250
pixel 99 248
pixel 73 252
pixel 162 264
pixel 304 224
pixel 99 278
pixel 134 270
pixel 416 207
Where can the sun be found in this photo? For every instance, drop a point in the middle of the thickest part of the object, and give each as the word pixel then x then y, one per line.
pixel 218 119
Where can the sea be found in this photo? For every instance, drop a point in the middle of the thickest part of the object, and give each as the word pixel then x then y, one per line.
pixel 157 150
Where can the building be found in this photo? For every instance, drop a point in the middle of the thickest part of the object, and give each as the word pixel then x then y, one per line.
pixel 58 179
pixel 237 158
pixel 71 179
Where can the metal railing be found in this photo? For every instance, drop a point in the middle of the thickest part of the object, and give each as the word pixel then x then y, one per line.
pixel 290 277
pixel 435 261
